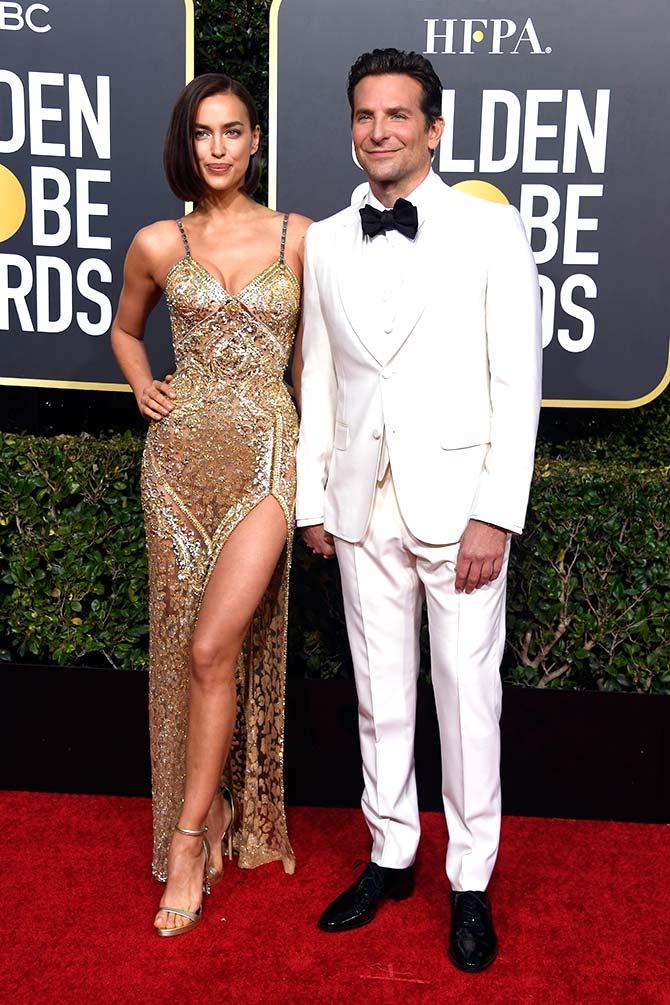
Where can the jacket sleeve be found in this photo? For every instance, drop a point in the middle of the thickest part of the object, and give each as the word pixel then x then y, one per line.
pixel 514 341
pixel 319 400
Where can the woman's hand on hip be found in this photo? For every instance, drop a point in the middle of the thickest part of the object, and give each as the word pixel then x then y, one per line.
pixel 156 400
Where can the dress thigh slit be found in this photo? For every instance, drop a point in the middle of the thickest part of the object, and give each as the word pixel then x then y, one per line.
pixel 181 561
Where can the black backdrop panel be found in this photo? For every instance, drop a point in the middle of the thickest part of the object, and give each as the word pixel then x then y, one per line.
pixel 563 108
pixel 84 107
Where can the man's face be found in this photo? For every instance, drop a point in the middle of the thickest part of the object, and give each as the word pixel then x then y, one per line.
pixel 393 143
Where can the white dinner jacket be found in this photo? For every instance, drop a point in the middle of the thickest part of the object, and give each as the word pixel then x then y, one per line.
pixel 456 390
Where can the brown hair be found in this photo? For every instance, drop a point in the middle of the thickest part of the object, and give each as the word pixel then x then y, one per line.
pixel 412 64
pixel 179 161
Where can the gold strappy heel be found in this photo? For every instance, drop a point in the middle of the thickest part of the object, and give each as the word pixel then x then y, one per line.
pixel 226 838
pixel 195 917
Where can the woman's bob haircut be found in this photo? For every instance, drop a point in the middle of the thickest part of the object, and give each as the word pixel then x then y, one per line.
pixel 179 161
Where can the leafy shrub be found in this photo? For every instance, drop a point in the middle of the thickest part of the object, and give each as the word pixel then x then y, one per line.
pixel 589 586
pixel 232 36
pixel 72 555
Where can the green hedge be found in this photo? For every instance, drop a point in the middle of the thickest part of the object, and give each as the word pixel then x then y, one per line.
pixel 589 589
pixel 72 554
pixel 232 36
pixel 589 581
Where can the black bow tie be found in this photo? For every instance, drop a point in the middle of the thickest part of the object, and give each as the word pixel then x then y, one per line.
pixel 403 218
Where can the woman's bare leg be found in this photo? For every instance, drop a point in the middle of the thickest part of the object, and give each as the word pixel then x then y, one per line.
pixel 240 578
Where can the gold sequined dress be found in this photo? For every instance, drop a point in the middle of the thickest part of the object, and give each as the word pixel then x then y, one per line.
pixel 228 444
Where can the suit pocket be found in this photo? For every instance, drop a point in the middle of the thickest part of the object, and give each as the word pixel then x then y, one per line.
pixel 458 439
pixel 341 440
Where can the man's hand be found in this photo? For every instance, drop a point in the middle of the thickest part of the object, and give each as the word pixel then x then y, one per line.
pixel 319 540
pixel 480 556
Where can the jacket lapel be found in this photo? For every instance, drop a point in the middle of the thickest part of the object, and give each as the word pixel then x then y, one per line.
pixel 354 295
pixel 415 292
pixel 427 269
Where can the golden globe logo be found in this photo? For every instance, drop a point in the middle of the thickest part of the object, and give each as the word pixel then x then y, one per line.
pixel 455 36
pixel 15 16
pixel 61 204
pixel 563 215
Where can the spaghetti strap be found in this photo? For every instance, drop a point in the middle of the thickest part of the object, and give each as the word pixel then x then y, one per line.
pixel 184 238
pixel 283 239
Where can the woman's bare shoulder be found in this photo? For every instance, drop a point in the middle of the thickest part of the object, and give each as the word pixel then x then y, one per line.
pixel 297 228
pixel 156 236
pixel 156 247
pixel 299 223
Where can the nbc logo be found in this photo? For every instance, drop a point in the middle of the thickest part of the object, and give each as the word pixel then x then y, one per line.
pixel 14 17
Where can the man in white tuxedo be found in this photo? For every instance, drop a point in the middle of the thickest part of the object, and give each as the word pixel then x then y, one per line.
pixel 420 395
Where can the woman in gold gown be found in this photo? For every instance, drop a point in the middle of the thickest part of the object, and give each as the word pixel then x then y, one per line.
pixel 218 488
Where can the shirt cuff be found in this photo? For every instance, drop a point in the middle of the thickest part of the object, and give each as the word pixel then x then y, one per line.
pixel 509 527
pixel 309 521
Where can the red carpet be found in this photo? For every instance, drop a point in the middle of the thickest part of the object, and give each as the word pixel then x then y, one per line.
pixel 582 911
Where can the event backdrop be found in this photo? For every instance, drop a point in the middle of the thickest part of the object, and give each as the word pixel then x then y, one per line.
pixel 86 89
pixel 559 108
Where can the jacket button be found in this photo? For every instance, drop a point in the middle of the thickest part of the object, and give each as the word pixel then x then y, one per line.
pixel 386 374
pixel 376 434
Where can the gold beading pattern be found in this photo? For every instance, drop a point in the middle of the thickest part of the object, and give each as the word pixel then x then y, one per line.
pixel 228 444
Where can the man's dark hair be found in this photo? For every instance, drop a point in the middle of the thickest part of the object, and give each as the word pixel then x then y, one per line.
pixel 411 64
pixel 179 160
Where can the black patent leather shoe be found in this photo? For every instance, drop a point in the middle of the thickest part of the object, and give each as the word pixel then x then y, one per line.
pixel 358 905
pixel 473 945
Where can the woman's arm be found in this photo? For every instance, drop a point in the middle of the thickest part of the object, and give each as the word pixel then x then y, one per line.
pixel 139 296
pixel 297 366
pixel 302 224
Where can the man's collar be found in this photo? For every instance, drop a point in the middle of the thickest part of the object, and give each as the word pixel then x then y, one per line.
pixel 423 196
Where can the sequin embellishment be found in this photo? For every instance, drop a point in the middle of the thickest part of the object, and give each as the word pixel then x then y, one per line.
pixel 228 444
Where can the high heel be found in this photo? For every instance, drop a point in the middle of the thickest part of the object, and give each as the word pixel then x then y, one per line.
pixel 194 917
pixel 230 829
pixel 226 838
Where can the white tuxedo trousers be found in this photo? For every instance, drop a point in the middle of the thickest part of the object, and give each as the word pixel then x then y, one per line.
pixel 384 580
